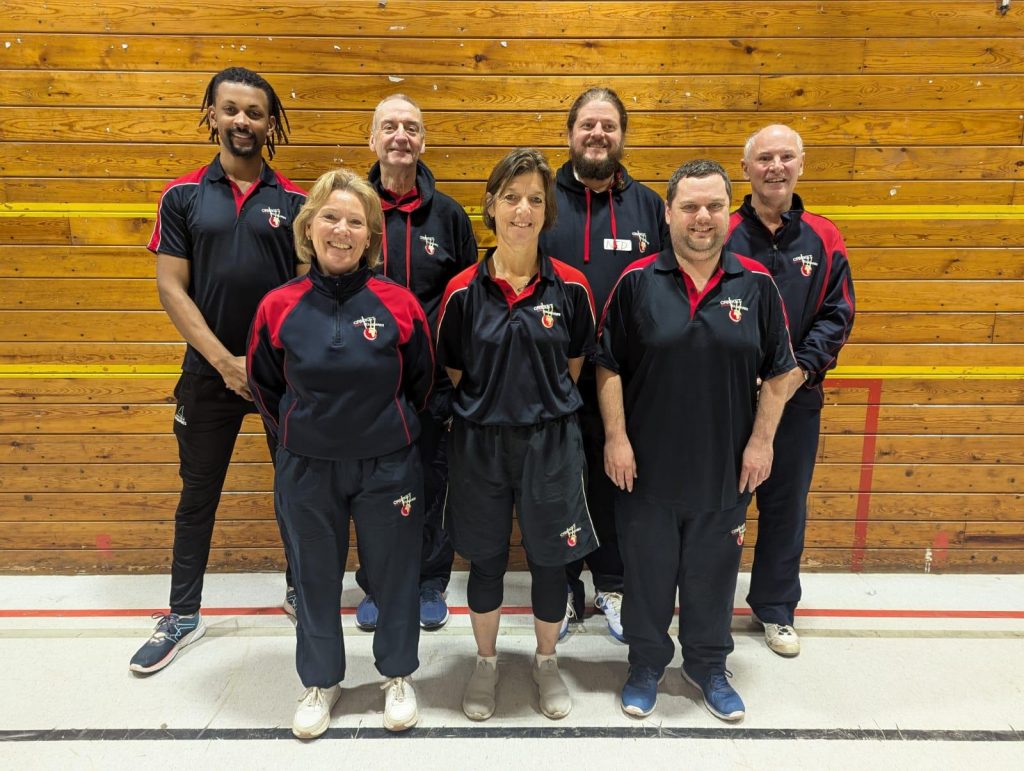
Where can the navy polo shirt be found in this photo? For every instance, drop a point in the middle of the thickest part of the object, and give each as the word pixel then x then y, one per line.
pixel 240 246
pixel 689 363
pixel 513 351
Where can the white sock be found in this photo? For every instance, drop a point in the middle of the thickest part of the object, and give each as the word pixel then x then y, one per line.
pixel 492 660
pixel 541 658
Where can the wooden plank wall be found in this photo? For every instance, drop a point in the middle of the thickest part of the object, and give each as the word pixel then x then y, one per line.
pixel 912 113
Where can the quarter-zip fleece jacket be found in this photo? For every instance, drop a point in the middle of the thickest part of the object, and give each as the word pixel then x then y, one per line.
pixel 807 258
pixel 339 366
pixel 428 239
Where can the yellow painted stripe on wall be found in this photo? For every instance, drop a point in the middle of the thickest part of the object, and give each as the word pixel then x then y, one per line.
pixel 967 212
pixel 155 370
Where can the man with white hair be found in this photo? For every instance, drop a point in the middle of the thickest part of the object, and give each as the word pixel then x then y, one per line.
pixel 428 239
pixel 806 255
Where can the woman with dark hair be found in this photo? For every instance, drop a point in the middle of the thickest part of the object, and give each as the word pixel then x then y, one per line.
pixel 339 364
pixel 512 334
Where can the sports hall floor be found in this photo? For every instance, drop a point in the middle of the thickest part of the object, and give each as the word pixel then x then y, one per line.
pixel 910 671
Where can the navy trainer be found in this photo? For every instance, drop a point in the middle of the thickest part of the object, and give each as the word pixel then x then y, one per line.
pixel 640 693
pixel 433 609
pixel 172 633
pixel 366 614
pixel 720 698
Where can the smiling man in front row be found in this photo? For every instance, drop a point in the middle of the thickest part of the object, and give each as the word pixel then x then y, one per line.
pixel 685 336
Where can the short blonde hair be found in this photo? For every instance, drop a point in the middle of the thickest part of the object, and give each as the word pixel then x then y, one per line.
pixel 350 182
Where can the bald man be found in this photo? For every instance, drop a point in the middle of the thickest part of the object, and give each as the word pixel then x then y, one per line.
pixel 428 239
pixel 807 257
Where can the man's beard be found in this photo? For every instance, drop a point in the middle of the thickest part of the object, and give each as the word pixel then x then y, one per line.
pixel 243 152
pixel 589 169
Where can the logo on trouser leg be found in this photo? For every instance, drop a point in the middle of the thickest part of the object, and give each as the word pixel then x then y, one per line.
pixel 179 416
pixel 738 532
pixel 569 534
pixel 405 502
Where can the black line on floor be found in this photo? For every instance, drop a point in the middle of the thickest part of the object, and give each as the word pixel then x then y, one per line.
pixel 537 732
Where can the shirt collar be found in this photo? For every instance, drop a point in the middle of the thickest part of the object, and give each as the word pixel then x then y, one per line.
pixel 666 262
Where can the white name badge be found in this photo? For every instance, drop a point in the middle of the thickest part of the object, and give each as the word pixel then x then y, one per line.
pixel 618 245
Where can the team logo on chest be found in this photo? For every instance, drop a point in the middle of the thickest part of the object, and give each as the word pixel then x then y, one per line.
pixel 429 244
pixel 275 217
pixel 806 263
pixel 641 240
pixel 739 532
pixel 736 308
pixel 569 534
pixel 370 326
pixel 405 504
pixel 547 314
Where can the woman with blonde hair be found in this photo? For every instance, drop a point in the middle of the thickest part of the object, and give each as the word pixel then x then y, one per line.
pixel 340 363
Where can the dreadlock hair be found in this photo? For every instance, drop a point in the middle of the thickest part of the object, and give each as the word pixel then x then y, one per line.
pixel 247 78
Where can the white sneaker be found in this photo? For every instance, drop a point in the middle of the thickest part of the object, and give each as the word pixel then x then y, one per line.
pixel 555 701
pixel 400 710
pixel 570 615
pixel 313 714
pixel 610 603
pixel 478 701
pixel 781 638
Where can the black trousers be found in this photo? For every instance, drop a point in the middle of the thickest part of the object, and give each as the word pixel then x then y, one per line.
pixel 207 419
pixel 667 549
pixel 782 517
pixel 605 562
pixel 315 500
pixel 438 553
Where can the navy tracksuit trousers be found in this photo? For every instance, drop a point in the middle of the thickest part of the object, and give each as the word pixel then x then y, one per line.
pixel 782 517
pixel 207 420
pixel 438 554
pixel 668 550
pixel 315 500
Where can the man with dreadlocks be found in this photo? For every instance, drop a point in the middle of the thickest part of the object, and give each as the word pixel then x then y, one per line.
pixel 223 239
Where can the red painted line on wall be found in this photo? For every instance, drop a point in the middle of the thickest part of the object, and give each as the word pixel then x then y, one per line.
pixel 867 465
pixel 511 610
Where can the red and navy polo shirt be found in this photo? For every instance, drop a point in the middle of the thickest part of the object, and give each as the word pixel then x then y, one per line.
pixel 239 245
pixel 514 350
pixel 689 363
pixel 339 366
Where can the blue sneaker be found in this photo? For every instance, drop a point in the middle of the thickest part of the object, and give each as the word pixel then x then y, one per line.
pixel 290 598
pixel 433 609
pixel 172 633
pixel 640 693
pixel 366 614
pixel 720 698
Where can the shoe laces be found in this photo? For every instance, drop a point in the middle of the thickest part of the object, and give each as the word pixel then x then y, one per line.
pixel 166 626
pixel 785 630
pixel 430 595
pixel 314 697
pixel 570 609
pixel 644 677
pixel 395 688
pixel 718 682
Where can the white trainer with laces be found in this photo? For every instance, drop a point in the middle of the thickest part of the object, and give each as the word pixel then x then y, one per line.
pixel 610 603
pixel 313 714
pixel 400 710
pixel 781 638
